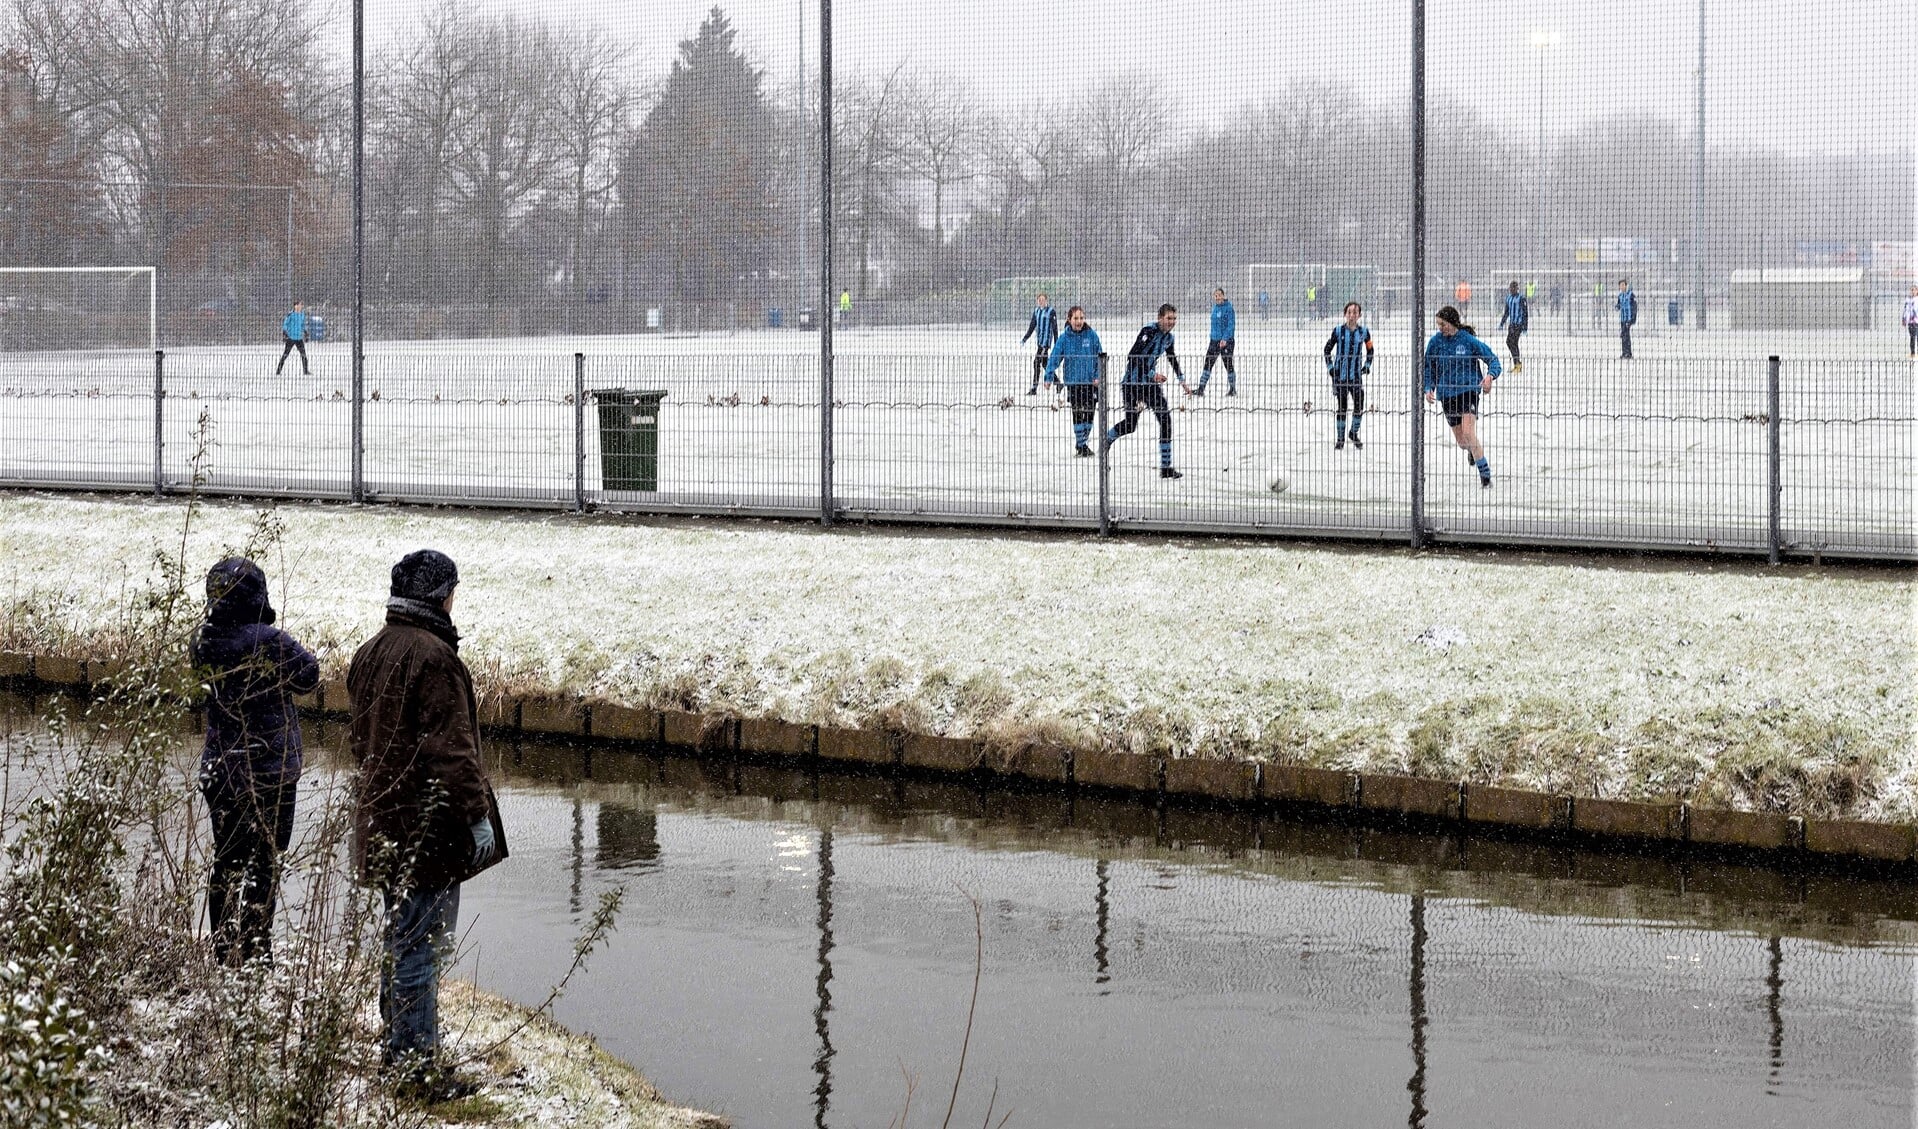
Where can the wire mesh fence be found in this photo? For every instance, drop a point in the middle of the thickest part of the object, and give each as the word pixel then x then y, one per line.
pixel 1662 453
pixel 819 228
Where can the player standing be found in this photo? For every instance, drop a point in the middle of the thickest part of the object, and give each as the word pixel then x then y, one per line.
pixel 1452 378
pixel 1225 331
pixel 1516 319
pixel 1077 352
pixel 293 329
pixel 1627 303
pixel 1911 322
pixel 1142 389
pixel 1045 323
pixel 1348 360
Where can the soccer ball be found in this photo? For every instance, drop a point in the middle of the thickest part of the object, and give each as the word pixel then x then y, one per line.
pixel 1281 481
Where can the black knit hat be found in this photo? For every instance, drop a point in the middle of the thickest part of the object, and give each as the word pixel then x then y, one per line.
pixel 426 575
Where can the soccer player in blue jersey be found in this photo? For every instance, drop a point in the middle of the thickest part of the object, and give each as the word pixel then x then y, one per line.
pixel 293 331
pixel 1043 324
pixel 1452 378
pixel 1515 320
pixel 1142 388
pixel 1627 303
pixel 1078 353
pixel 1224 339
pixel 1348 359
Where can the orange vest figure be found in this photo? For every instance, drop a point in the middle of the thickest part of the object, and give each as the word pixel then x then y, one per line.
pixel 1463 293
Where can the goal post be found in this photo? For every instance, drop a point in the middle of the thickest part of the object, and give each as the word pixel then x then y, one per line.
pixel 50 309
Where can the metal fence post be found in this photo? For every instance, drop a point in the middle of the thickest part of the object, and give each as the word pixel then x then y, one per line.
pixel 1105 453
pixel 1774 484
pixel 1418 536
pixel 579 433
pixel 827 310
pixel 159 421
pixel 359 250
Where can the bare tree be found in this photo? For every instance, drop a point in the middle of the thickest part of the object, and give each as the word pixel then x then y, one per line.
pixel 425 115
pixel 1125 126
pixel 942 138
pixel 871 118
pixel 593 99
pixel 509 154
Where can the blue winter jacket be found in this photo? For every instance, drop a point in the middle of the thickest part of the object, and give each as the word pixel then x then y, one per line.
pixel 1225 322
pixel 253 670
pixel 1517 312
pixel 1451 363
pixel 1077 350
pixel 1627 308
pixel 294 326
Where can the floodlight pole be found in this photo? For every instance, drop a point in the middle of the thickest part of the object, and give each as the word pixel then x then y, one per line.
pixel 359 250
pixel 1698 180
pixel 1418 537
pixel 826 309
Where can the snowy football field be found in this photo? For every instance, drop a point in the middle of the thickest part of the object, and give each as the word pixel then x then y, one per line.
pixel 1671 449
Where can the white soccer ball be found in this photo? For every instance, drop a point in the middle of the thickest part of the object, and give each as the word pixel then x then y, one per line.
pixel 1280 482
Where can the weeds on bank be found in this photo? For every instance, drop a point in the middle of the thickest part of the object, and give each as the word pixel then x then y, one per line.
pixel 113 1009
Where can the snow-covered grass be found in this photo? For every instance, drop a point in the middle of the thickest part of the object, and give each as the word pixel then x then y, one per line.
pixel 542 1074
pixel 1730 684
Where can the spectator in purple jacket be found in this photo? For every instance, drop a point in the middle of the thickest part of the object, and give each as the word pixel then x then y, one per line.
pixel 250 768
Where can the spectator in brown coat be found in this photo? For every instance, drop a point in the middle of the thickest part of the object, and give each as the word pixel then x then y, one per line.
pixel 425 817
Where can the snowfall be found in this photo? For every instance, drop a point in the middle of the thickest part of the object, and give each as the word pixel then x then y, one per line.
pixel 1726 682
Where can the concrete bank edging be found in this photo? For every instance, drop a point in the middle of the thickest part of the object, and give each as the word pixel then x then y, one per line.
pixel 1139 775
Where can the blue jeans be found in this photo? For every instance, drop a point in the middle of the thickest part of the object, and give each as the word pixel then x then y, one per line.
pixel 419 935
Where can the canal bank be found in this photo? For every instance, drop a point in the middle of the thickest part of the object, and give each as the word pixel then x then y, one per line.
pixel 1723 684
pixel 1464 807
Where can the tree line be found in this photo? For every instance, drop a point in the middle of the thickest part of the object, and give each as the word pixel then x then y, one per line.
pixel 524 177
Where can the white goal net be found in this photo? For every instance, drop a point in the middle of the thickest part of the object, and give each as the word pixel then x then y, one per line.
pixel 56 309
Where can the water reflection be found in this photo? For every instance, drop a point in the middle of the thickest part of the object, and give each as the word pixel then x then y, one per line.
pixel 800 936
pixel 1416 986
pixel 822 1063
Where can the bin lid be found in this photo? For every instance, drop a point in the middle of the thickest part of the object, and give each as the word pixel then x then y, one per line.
pixel 629 395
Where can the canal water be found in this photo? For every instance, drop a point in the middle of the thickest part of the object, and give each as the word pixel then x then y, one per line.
pixel 795 945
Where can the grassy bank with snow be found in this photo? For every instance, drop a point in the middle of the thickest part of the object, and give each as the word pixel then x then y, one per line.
pixel 1726 683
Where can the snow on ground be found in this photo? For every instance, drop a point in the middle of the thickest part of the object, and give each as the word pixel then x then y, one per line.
pixel 1729 683
pixel 1668 450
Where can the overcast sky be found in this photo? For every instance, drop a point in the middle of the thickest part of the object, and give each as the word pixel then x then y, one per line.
pixel 1821 74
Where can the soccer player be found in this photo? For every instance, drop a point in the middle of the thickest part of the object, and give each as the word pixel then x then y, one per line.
pixel 1045 323
pixel 1452 378
pixel 1225 331
pixel 1265 304
pixel 1348 360
pixel 1911 322
pixel 1077 352
pixel 1516 319
pixel 293 329
pixel 1627 303
pixel 1462 294
pixel 1141 387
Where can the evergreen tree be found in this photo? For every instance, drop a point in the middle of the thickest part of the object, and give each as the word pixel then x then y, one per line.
pixel 697 180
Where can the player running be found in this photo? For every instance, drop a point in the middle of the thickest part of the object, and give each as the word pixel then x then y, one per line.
pixel 1516 319
pixel 1911 322
pixel 1045 323
pixel 1627 303
pixel 1225 332
pixel 293 329
pixel 1141 387
pixel 1077 352
pixel 1348 360
pixel 1452 378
